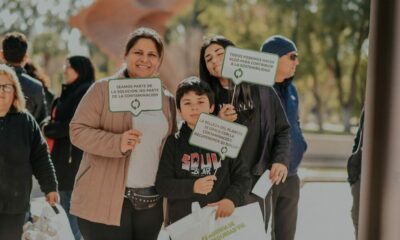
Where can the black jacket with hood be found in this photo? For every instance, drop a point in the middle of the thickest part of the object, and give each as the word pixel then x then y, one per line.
pixel 23 152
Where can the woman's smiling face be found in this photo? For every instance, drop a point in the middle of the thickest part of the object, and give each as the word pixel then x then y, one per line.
pixel 143 60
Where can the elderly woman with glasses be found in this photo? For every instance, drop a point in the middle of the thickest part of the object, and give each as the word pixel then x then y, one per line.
pixel 23 152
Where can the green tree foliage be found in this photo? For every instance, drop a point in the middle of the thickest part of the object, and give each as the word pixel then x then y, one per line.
pixel 330 36
pixel 45 23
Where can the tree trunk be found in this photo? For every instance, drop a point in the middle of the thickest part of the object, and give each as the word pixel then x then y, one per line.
pixel 346 115
pixel 315 86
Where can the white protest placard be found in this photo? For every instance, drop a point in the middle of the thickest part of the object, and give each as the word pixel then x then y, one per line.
pixel 263 185
pixel 214 134
pixel 243 65
pixel 246 222
pixel 135 95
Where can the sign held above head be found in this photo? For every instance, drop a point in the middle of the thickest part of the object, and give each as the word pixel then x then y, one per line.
pixel 241 65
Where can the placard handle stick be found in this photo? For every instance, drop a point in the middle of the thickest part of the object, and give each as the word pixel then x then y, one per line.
pixel 233 95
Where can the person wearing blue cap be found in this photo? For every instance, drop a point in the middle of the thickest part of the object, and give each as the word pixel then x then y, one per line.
pixel 285 196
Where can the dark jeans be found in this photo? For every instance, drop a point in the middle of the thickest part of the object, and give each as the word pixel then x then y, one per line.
pixel 11 226
pixel 285 198
pixel 65 199
pixel 135 225
pixel 355 191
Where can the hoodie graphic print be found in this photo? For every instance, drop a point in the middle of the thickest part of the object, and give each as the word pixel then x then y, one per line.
pixel 199 164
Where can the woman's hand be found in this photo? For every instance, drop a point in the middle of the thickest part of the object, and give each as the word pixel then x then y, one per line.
pixel 52 198
pixel 129 139
pixel 228 113
pixel 204 185
pixel 278 173
pixel 225 208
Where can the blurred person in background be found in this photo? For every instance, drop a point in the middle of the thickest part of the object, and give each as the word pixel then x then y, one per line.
pixel 79 74
pixel 37 73
pixel 354 172
pixel 23 153
pixel 14 53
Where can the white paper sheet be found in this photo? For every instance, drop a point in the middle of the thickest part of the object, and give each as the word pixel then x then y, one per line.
pixel 262 186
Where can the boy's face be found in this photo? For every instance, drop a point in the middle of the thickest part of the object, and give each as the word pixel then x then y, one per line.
pixel 192 105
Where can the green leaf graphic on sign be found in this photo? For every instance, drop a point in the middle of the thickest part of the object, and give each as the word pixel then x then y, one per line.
pixel 224 150
pixel 238 73
pixel 135 104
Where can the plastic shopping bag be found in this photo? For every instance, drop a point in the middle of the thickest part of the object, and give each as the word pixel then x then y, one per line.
pixel 48 223
pixel 163 234
pixel 245 223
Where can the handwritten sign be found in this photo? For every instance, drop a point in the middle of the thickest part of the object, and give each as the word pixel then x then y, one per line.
pixel 135 95
pixel 243 65
pixel 215 134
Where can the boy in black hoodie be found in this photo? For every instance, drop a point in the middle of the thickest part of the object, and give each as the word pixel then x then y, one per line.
pixel 188 173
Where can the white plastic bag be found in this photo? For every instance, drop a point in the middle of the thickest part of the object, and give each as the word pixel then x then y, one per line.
pixel 245 223
pixel 163 234
pixel 48 223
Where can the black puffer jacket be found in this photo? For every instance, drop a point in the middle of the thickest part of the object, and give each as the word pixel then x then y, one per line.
pixel 66 157
pixel 34 94
pixel 23 152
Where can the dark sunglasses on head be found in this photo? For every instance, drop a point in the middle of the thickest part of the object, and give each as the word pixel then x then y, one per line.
pixel 293 56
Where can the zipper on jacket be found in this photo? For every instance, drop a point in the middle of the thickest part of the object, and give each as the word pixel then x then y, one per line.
pixel 70 154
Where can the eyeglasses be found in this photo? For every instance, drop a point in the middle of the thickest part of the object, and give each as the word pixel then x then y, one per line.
pixel 7 88
pixel 66 65
pixel 293 56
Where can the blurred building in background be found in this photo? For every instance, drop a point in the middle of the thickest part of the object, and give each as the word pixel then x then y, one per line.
pixel 107 23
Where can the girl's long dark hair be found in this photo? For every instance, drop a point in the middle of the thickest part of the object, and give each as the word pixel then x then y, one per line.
pixel 242 97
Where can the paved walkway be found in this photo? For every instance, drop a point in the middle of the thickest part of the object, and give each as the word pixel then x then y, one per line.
pixel 324 208
pixel 324 212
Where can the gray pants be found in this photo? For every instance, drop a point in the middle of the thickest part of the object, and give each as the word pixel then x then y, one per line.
pixel 284 199
pixel 355 191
